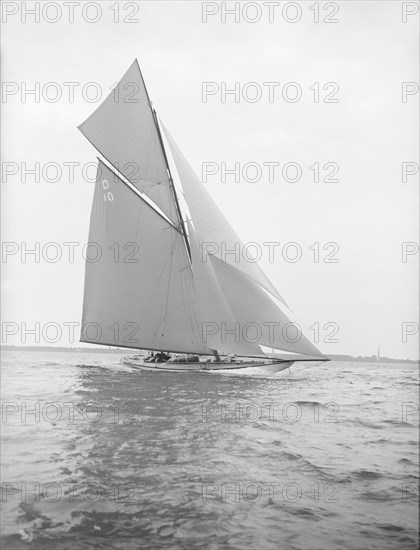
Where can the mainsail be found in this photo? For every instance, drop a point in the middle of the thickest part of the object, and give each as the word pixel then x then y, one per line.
pixel 139 290
pixel 216 316
pixel 154 286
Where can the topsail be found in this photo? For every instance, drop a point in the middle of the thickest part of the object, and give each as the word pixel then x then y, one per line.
pixel 123 130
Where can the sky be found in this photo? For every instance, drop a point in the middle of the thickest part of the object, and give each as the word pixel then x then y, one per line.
pixel 354 282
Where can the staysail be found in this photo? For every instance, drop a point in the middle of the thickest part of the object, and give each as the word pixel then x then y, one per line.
pixel 258 318
pixel 237 314
pixel 214 310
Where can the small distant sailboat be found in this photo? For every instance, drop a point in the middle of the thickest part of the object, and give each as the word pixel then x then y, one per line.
pixel 159 285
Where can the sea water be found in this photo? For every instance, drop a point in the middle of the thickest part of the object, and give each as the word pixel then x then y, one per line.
pixel 100 455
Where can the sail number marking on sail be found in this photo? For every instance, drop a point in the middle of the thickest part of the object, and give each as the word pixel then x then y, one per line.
pixel 107 196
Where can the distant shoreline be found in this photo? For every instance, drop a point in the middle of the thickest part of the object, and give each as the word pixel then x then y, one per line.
pixel 361 359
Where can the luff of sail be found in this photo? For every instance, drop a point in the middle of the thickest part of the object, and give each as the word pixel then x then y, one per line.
pixel 140 292
pixel 123 130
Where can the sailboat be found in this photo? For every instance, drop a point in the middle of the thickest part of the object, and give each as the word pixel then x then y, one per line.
pixel 164 281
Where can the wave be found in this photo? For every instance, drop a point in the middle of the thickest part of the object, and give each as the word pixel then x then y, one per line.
pixel 365 475
pixel 307 513
pixel 397 422
pixel 292 456
pixel 379 496
pixel 392 528
pixel 306 403
pixel 366 424
pixel 405 461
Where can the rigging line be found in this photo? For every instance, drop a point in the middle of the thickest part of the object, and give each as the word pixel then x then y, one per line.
pixel 188 297
pixel 171 260
pixel 164 269
pixel 153 184
pixel 150 184
pixel 159 279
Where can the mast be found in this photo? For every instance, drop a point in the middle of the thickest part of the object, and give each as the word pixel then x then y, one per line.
pixel 171 181
pixel 181 221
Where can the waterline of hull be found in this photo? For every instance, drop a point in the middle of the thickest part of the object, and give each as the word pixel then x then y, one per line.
pixel 271 368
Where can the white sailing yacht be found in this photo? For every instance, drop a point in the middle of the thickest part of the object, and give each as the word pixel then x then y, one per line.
pixel 158 285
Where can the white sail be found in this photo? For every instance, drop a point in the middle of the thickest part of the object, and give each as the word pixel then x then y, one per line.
pixel 213 230
pixel 123 130
pixel 139 293
pixel 214 310
pixel 259 319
